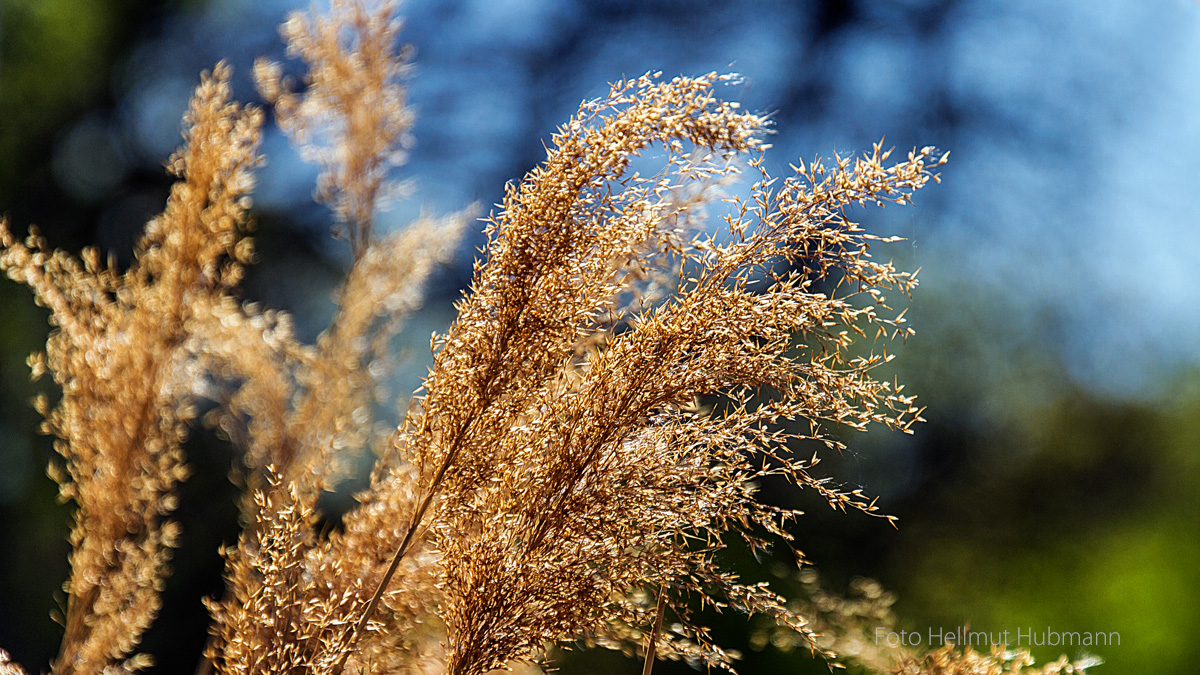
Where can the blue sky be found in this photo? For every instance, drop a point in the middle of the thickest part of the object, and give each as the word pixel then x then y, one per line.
pixel 1066 213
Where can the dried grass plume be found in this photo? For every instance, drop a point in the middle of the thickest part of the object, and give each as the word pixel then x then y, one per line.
pixel 637 352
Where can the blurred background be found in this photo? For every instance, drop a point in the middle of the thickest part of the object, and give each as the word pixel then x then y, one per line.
pixel 1055 484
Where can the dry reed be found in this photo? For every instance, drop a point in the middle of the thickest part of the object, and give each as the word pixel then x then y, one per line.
pixel 557 478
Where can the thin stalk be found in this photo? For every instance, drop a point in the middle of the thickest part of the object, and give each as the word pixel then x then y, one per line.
pixel 651 648
pixel 413 523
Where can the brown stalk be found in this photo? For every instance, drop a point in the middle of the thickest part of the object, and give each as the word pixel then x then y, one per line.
pixel 405 544
pixel 659 612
